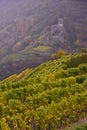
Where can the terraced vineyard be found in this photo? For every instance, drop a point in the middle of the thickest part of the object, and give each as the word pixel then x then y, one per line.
pixel 50 97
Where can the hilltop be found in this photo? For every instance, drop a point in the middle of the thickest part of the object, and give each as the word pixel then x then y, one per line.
pixel 51 96
pixel 25 27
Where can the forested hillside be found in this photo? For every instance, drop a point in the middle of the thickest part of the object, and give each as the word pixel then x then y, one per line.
pixel 25 26
pixel 50 97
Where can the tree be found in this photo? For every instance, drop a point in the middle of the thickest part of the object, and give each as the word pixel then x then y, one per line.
pixel 60 53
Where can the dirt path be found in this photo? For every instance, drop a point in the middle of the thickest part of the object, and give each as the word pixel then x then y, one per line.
pixel 80 122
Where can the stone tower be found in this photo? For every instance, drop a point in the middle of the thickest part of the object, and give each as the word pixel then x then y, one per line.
pixel 60 23
pixel 57 31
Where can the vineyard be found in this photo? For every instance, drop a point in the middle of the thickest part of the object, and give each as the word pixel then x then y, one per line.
pixel 50 97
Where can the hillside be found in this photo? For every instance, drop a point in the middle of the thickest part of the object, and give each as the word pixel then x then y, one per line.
pixel 50 97
pixel 83 127
pixel 25 27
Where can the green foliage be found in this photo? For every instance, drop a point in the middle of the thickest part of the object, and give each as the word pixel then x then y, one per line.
pixel 4 125
pixel 76 60
pixel 59 54
pixel 51 96
pixel 84 50
pixel 83 127
pixel 42 48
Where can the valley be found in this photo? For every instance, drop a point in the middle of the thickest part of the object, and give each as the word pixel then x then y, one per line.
pixel 25 26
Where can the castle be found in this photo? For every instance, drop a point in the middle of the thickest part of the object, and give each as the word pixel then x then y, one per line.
pixel 57 31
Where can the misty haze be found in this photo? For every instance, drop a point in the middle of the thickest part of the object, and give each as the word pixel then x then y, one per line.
pixel 43 64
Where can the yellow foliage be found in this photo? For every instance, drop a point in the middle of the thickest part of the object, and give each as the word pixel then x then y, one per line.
pixel 60 53
pixel 4 124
